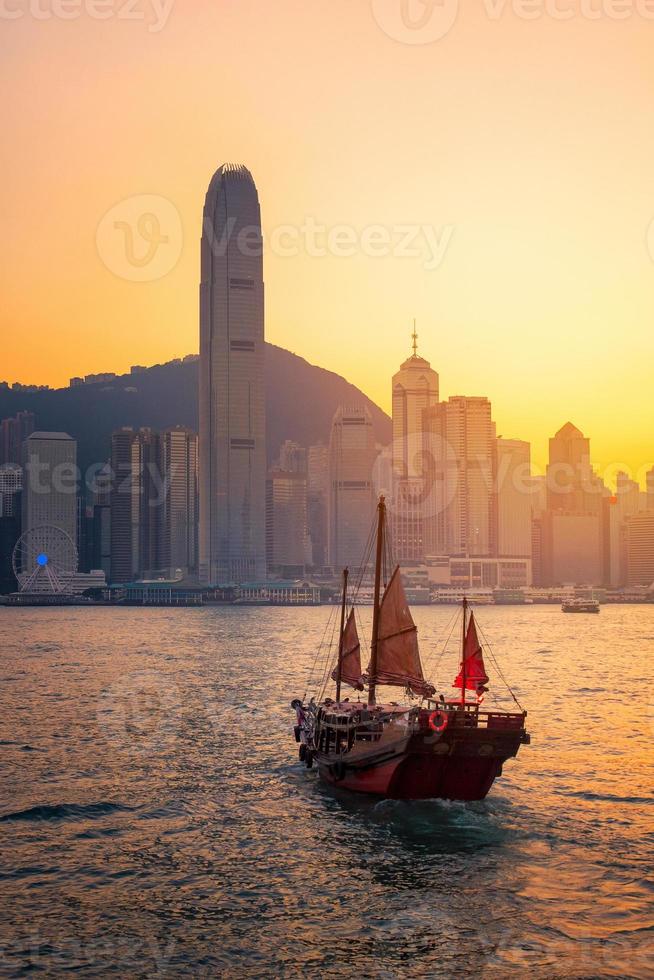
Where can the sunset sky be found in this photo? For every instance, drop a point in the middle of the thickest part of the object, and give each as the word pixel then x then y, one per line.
pixel 524 146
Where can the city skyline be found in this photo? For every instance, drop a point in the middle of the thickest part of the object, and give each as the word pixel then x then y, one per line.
pixel 540 176
pixel 607 468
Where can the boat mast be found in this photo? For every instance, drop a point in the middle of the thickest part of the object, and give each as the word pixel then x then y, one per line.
pixel 339 668
pixel 463 653
pixel 381 519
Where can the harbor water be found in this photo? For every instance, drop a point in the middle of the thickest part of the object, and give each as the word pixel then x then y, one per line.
pixel 155 820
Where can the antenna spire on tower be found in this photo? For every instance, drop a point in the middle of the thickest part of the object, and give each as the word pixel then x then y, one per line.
pixel 415 340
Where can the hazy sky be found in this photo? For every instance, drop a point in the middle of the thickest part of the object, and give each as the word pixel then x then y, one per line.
pixel 512 157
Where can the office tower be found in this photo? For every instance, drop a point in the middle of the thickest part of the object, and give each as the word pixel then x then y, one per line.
pixel 177 547
pixel 137 499
pixel 573 539
pixel 571 484
pixel 286 522
pixel 101 506
pixel 625 502
pixel 415 389
pixel 513 498
pixel 318 468
pixel 460 449
pixel 11 483
pixel 538 508
pixel 292 458
pixel 232 457
pixel 640 549
pixel 650 489
pixel 351 501
pixel 50 479
pixel 124 506
pixel 317 496
pixel 13 433
pixel 151 494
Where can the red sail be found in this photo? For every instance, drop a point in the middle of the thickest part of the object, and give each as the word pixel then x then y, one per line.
pixel 476 676
pixel 351 662
pixel 398 657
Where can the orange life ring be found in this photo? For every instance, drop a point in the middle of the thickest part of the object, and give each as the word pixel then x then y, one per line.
pixel 438 721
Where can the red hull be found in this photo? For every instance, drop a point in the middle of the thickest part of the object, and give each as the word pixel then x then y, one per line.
pixel 461 766
pixel 418 777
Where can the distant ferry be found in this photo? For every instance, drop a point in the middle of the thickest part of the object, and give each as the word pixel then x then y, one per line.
pixel 580 606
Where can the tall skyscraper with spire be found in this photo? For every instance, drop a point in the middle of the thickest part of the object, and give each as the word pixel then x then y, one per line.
pixel 415 389
pixel 232 459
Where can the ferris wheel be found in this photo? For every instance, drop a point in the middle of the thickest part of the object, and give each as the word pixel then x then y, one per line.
pixel 44 560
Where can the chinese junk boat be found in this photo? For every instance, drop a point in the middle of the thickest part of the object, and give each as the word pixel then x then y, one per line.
pixel 429 749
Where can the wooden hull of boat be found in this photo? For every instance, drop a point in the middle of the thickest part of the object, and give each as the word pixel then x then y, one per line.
pixel 453 767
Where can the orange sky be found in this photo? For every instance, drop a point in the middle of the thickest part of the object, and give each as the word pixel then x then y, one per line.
pixel 524 145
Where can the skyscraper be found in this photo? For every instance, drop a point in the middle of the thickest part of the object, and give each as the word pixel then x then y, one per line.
pixel 125 505
pixel 415 390
pixel 351 502
pixel 153 503
pixel 13 433
pixel 177 532
pixel 50 482
pixel 640 549
pixel 571 484
pixel 286 521
pixel 461 437
pixel 317 496
pixel 11 483
pixel 232 460
pixel 292 458
pixel 514 498
pixel 623 505
pixel 572 526
pixel 135 503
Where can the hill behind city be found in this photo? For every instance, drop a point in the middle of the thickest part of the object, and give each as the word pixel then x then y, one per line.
pixel 301 400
